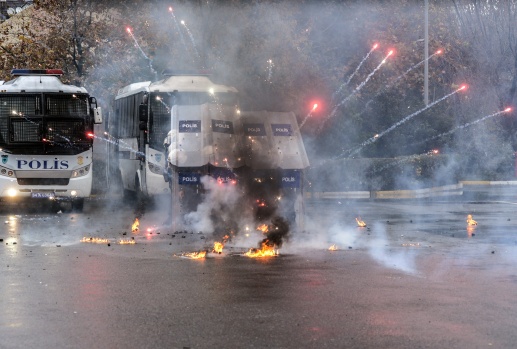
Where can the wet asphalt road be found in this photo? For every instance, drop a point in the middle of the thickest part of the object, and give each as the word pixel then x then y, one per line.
pixel 415 277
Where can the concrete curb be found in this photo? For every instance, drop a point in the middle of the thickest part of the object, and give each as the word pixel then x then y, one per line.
pixel 444 191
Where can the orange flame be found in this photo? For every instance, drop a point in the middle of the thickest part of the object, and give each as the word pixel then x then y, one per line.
pixel 218 247
pixel 126 242
pixel 263 228
pixel 135 226
pixel 471 221
pixel 195 255
pixel 266 250
pixel 95 240
pixel 333 248
pixel 360 223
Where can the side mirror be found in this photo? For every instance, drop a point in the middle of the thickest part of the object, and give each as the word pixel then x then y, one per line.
pixel 97 115
pixel 143 113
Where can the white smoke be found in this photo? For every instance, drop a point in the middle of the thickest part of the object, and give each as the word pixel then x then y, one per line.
pixel 220 204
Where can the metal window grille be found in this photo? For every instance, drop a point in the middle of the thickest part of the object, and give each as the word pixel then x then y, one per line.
pixel 66 105
pixel 161 123
pixel 25 130
pixel 14 107
pixel 66 131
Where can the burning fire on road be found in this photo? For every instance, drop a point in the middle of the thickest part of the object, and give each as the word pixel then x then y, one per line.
pixel 471 221
pixel 360 223
pixel 95 240
pixel 136 226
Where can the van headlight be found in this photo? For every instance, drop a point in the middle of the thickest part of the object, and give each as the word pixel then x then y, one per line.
pixel 83 171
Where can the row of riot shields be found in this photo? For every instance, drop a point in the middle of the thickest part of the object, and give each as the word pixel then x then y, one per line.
pixel 258 155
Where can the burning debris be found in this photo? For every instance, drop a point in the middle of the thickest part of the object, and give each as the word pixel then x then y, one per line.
pixel 470 221
pixel 276 233
pixel 218 247
pixel 194 255
pixel 360 223
pixel 267 249
pixel 136 226
pixel 333 248
pixel 126 242
pixel 95 240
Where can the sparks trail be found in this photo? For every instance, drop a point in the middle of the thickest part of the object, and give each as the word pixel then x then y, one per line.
pixel 159 99
pixel 394 82
pixel 142 52
pixel 407 118
pixel 309 115
pixel 191 39
pixel 507 110
pixel 270 66
pixel 115 141
pixel 355 71
pixel 403 160
pixel 357 89
pixel 177 27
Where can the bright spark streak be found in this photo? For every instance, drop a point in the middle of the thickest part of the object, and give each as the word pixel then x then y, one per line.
pixel 466 125
pixel 355 71
pixel 308 115
pixel 394 82
pixel 357 89
pixel 404 120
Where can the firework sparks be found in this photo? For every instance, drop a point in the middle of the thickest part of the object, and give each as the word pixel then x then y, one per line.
pixel 355 71
pixel 270 66
pixel 177 27
pixel 407 118
pixel 137 45
pixel 357 89
pixel 191 38
pixel 314 107
pixel 507 110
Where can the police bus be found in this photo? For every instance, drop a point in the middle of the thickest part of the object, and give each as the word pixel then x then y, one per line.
pixel 142 119
pixel 46 138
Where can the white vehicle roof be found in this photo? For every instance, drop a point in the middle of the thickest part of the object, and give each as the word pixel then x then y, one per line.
pixel 181 83
pixel 39 83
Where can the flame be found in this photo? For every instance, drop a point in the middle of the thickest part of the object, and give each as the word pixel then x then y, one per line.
pixel 126 242
pixel 471 221
pixel 266 250
pixel 195 255
pixel 263 228
pixel 360 223
pixel 135 226
pixel 333 248
pixel 508 109
pixel 218 247
pixel 95 240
